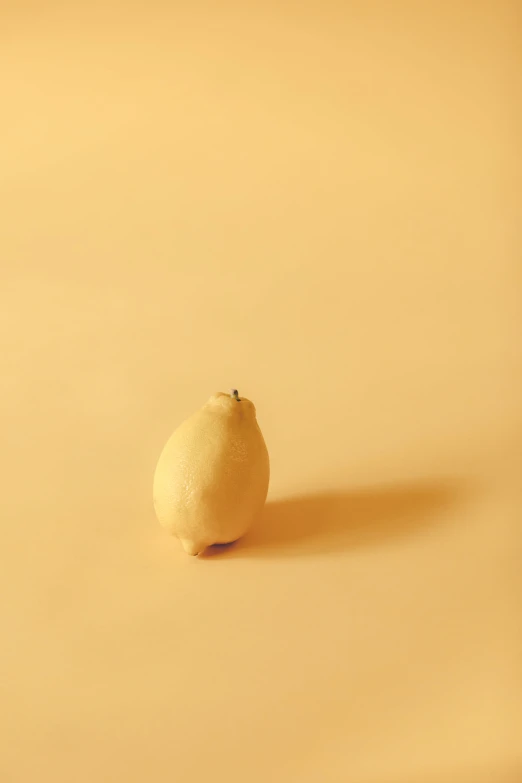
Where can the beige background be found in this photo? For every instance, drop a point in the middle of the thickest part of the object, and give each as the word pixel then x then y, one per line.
pixel 318 204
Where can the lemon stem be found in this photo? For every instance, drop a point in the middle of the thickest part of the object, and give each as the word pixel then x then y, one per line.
pixel 234 393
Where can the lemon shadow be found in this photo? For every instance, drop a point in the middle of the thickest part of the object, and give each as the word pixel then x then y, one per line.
pixel 337 521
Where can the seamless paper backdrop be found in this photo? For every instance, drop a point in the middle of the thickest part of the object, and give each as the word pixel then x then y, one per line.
pixel 318 204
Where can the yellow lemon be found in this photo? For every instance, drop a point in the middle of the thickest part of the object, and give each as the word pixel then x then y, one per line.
pixel 211 479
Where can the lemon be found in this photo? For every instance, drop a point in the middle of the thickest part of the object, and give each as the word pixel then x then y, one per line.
pixel 211 479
